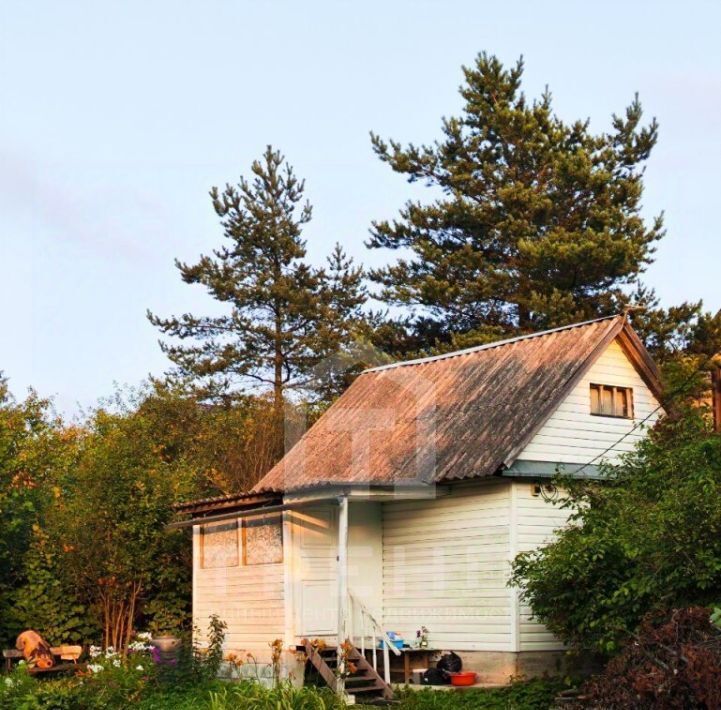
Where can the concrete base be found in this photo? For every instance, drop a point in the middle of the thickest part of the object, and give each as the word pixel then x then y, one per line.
pixel 500 667
pixel 453 688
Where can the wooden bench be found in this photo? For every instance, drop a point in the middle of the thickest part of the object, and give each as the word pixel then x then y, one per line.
pixel 68 654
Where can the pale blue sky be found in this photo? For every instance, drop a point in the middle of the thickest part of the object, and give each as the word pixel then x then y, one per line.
pixel 116 118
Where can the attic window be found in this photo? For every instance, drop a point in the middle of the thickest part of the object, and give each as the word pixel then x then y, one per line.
pixel 612 401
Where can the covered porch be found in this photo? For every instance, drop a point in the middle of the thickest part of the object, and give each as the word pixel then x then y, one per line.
pixel 332 563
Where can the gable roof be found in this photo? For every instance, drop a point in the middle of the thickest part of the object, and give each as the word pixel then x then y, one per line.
pixel 455 416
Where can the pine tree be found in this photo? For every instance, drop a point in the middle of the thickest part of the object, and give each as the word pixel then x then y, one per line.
pixel 285 315
pixel 537 223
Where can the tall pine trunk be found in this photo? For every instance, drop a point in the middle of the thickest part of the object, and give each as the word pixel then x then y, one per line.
pixel 524 318
pixel 278 401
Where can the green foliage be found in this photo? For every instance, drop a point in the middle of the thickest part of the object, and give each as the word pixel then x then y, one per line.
pixel 110 521
pixel 85 506
pixel 47 600
pixel 228 446
pixel 285 315
pixel 33 449
pixel 679 336
pixel 253 696
pixel 649 538
pixel 167 611
pixel 123 687
pixel 210 659
pixel 537 694
pixel 537 222
pixel 113 682
pixel 716 617
pixel 116 688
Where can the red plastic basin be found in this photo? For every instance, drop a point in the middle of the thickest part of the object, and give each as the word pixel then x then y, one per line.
pixel 463 678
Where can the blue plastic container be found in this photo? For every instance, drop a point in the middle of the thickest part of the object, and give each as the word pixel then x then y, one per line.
pixel 398 643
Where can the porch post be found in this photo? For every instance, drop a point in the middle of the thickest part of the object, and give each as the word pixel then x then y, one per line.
pixel 342 583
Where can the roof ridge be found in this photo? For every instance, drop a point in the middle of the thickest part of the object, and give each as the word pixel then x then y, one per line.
pixel 487 346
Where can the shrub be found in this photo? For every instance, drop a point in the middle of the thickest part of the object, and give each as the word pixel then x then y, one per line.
pixel 110 681
pixel 213 658
pixel 674 661
pixel 635 543
pixel 46 601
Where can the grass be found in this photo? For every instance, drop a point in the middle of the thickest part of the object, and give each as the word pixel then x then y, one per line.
pixel 120 689
pixel 535 694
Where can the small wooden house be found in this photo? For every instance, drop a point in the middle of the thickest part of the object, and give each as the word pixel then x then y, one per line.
pixel 405 503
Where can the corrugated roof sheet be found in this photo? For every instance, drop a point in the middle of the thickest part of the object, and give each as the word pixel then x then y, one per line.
pixel 454 416
pixel 214 502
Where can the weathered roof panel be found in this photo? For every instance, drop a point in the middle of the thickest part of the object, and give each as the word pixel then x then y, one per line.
pixel 455 416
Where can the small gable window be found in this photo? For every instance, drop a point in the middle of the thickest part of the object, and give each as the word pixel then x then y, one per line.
pixel 612 401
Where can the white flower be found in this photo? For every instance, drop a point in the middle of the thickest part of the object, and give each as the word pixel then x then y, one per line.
pixel 138 668
pixel 94 667
pixel 9 682
pixel 116 662
pixel 138 646
pixel 94 651
pixel 143 636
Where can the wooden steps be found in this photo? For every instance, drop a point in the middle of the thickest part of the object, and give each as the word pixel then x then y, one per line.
pixel 364 682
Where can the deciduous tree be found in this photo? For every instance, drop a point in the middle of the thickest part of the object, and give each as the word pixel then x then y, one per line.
pixel 34 448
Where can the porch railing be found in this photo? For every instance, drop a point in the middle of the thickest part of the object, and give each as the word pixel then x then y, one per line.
pixel 363 628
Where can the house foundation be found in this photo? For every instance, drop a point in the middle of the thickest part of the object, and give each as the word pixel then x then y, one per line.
pixel 500 667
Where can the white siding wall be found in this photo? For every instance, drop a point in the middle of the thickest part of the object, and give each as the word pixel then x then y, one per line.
pixel 365 554
pixel 445 565
pixel 445 562
pixel 573 435
pixel 536 521
pixel 248 598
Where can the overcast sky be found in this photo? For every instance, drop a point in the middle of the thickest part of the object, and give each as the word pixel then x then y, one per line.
pixel 117 117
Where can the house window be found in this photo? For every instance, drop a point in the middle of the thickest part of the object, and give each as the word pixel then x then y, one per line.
pixel 612 401
pixel 262 540
pixel 219 545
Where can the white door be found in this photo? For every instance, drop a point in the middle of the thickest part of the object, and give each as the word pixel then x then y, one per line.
pixel 317 590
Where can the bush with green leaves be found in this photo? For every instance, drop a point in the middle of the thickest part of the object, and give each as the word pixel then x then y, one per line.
pixel 84 549
pixel 210 659
pixel 47 600
pixel 33 449
pixel 109 681
pixel 648 538
pixel 110 523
